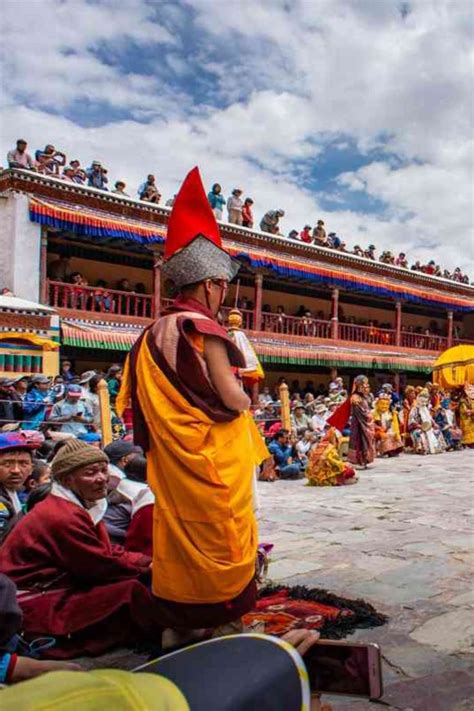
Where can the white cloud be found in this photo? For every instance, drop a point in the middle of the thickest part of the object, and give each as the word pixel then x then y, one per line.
pixel 286 78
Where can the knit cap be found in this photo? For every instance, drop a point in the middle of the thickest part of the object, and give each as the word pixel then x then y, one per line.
pixel 73 455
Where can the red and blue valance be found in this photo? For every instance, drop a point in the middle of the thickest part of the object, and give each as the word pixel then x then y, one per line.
pixel 93 223
pixel 356 281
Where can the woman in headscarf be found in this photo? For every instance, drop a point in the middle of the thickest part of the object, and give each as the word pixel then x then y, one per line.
pixel 361 444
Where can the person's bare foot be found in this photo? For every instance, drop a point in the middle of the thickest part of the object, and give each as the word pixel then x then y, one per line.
pixel 26 668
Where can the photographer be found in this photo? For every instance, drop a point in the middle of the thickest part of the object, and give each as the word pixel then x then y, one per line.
pixel 73 414
pixel 97 176
pixel 50 160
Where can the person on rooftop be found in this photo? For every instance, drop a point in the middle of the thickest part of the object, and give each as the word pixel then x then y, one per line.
pixel 247 214
pixel 119 189
pixel 49 160
pixel 234 207
pixel 216 201
pixel 293 234
pixel 305 234
pixel 401 260
pixel 319 234
pixel 370 252
pixel 97 176
pixel 148 191
pixel 358 251
pixel 270 221
pixel 79 176
pixel 19 158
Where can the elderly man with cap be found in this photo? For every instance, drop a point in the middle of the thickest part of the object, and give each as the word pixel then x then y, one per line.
pixel 77 586
pixel 192 418
pixel 72 414
pixel 300 420
pixel 15 467
pixel 36 403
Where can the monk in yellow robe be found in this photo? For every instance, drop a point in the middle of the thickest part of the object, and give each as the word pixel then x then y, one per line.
pixel 192 418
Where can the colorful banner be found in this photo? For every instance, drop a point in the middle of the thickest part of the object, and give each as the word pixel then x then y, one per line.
pixel 93 223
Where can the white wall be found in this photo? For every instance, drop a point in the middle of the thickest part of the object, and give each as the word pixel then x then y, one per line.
pixel 20 245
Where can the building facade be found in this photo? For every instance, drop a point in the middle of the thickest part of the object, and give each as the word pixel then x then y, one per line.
pixel 308 310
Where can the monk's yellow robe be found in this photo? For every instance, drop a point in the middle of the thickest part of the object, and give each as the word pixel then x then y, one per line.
pixel 200 470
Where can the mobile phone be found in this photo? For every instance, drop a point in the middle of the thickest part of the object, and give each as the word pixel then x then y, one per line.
pixel 337 667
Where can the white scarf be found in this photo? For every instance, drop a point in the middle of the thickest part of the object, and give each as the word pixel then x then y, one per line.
pixel 96 511
pixel 14 499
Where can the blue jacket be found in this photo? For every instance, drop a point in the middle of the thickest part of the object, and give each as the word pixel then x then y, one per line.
pixel 280 452
pixel 216 200
pixel 34 408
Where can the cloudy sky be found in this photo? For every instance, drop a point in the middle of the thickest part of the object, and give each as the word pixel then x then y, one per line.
pixel 359 112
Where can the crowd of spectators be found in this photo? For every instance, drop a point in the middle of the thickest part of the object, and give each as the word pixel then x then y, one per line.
pixel 50 161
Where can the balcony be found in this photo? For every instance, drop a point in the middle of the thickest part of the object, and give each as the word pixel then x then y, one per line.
pixel 109 303
pixel 99 301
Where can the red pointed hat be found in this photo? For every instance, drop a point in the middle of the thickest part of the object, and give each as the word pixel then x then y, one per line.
pixel 191 216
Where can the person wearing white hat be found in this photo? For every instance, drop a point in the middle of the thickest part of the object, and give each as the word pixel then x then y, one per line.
pixel 318 421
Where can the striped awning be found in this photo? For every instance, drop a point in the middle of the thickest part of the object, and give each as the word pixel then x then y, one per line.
pixel 94 223
pixel 101 335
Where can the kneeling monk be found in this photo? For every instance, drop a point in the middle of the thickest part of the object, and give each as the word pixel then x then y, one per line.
pixel 191 417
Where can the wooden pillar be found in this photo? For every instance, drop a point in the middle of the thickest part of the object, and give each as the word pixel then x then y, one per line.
pixel 398 323
pixel 43 284
pixel 255 391
pixel 156 308
pixel 257 315
pixel 105 413
pixel 335 314
pixel 333 373
pixel 396 383
pixel 450 328
pixel 285 407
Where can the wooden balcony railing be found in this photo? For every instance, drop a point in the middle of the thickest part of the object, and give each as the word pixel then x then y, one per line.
pixel 99 300
pixel 296 325
pixel 367 334
pixel 423 341
pixel 123 303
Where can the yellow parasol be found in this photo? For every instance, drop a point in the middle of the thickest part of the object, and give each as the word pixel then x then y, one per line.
pixel 455 367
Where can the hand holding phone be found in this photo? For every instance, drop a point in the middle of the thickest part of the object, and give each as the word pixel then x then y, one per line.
pixel 337 667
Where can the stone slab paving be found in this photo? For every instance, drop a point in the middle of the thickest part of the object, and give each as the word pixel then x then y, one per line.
pixel 403 539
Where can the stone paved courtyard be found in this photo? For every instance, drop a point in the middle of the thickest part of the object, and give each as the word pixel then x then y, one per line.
pixel 401 538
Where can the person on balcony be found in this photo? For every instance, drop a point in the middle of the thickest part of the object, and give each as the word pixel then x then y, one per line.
pixel 270 221
pixel 19 158
pixel 60 269
pixel 247 214
pixel 216 201
pixel 191 417
pixel 234 207
pixel 362 443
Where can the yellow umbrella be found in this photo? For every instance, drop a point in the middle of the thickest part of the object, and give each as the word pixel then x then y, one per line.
pixel 455 367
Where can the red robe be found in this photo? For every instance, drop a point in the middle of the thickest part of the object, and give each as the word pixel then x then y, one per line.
pixel 74 584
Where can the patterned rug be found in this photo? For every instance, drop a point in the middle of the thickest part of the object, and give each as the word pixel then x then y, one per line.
pixel 280 609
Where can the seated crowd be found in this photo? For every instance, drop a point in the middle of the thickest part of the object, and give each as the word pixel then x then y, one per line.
pixel 50 161
pixel 76 518
pixel 425 420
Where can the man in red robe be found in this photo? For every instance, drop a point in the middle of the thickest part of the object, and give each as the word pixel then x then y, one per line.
pixel 75 585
